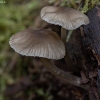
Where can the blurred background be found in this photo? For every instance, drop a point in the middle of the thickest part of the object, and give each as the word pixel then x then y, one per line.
pixel 25 78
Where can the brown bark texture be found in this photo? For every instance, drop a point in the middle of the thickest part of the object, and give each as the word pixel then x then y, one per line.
pixel 89 38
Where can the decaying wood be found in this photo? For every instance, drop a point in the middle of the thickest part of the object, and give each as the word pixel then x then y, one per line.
pixel 90 46
pixel 91 35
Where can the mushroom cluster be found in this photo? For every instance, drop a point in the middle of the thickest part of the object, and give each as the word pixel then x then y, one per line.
pixel 47 44
pixel 68 19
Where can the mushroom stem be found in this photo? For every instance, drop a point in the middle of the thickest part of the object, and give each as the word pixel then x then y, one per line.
pixel 64 76
pixel 67 58
pixel 63 34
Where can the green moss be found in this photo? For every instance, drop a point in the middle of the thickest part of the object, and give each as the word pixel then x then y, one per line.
pixel 89 4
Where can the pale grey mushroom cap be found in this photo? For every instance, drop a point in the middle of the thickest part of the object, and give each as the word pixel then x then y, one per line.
pixel 39 43
pixel 68 18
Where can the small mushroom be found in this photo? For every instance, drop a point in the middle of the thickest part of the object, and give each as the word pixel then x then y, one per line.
pixel 38 42
pixel 67 18
pixel 46 45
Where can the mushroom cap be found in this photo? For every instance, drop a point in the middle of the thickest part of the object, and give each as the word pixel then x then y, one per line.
pixel 68 18
pixel 40 43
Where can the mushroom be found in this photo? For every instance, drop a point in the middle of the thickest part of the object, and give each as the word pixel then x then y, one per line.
pixel 68 19
pixel 47 45
pixel 38 42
